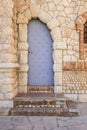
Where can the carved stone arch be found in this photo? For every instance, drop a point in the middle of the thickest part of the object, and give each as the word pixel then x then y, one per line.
pixel 34 12
pixel 81 20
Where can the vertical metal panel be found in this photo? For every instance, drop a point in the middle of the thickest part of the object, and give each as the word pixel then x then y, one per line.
pixel 40 55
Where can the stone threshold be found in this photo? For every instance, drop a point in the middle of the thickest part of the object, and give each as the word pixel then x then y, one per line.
pixel 41 89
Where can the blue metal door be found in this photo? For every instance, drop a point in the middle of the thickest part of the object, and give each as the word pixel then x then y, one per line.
pixel 40 55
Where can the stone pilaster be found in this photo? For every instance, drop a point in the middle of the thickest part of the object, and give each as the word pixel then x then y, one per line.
pixel 23 58
pixel 58 61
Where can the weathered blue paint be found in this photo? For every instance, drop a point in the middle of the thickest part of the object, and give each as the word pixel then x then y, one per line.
pixel 40 55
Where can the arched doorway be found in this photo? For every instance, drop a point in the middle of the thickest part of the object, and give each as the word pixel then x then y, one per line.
pixel 40 55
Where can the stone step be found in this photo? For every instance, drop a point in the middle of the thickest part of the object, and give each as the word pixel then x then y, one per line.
pixel 72 108
pixel 43 104
pixel 41 99
pixel 39 112
pixel 40 89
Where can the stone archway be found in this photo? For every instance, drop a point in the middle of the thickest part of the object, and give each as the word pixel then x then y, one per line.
pixel 33 12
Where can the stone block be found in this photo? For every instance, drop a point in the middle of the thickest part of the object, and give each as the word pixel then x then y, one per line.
pixel 7 3
pixel 66 2
pixel 27 14
pixel 34 9
pixel 76 48
pixel 57 56
pixel 73 59
pixel 13 58
pixel 82 98
pixel 56 2
pixel 4 112
pixel 23 46
pixel 2 96
pixel 23 68
pixel 60 45
pixel 23 79
pixel 66 31
pixel 44 7
pixel 58 78
pixel 2 12
pixel 51 6
pixel 73 97
pixel 68 10
pixel 23 57
pixel 57 67
pixel 23 89
pixel 9 95
pixel 4 47
pixel 44 17
pixel 21 19
pixel 67 58
pixel 22 32
pixel 57 89
pixel 8 12
pixel 20 3
pixel 7 81
pixel 4 89
pixel 52 23
pixel 74 35
pixel 70 52
pixel 6 104
pixel 15 92
pixel 56 34
pixel 8 66
pixel 22 8
pixel 60 8
pixel 8 31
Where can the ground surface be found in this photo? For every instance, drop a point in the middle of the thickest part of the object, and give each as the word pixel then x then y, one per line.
pixel 46 123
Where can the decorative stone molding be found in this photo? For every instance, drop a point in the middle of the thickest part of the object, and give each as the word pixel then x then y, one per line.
pixel 81 20
pixel 9 65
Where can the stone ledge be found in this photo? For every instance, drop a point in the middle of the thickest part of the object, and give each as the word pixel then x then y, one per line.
pixel 9 65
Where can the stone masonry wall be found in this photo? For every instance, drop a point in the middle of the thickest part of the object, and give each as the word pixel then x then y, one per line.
pixel 8 85
pixel 75 82
pixel 75 77
pixel 7 45
pixel 60 16
pixel 8 52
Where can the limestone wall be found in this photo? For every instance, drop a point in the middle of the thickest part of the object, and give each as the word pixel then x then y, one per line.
pixel 8 52
pixel 61 18
pixel 8 84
